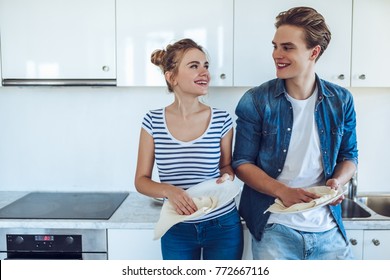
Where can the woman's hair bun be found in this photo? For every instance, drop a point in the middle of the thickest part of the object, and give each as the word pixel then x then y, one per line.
pixel 157 57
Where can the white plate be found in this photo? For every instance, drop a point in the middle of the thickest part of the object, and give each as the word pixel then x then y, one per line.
pixel 224 192
pixel 341 191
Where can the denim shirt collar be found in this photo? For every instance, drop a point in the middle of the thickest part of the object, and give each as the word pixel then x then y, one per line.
pixel 280 88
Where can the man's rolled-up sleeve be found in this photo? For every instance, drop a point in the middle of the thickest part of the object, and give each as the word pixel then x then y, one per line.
pixel 248 131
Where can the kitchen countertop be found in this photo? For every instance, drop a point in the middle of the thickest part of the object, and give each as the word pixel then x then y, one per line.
pixel 136 212
pixel 139 212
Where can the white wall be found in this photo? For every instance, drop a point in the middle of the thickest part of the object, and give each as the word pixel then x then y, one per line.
pixel 76 138
pixel 373 129
pixel 72 138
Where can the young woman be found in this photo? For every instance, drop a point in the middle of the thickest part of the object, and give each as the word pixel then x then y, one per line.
pixel 190 143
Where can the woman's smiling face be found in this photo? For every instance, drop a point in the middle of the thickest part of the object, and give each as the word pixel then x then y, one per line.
pixel 193 75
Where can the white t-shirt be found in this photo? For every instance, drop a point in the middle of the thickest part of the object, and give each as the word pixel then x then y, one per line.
pixel 303 167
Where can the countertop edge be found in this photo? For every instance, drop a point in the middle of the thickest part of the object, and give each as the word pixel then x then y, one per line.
pixel 136 212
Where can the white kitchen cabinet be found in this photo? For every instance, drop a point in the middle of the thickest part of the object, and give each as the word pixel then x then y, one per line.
pixel 376 245
pixel 370 244
pixel 254 30
pixel 247 253
pixel 132 244
pixel 138 244
pixel 1 84
pixel 147 25
pixel 60 39
pixel 371 39
pixel 356 240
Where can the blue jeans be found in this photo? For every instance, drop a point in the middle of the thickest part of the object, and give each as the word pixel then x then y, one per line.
pixel 217 239
pixel 283 243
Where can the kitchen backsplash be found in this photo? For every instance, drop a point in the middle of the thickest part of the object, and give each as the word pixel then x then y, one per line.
pixel 86 139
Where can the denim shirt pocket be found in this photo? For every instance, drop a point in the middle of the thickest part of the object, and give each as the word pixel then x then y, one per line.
pixel 269 130
pixel 338 131
pixel 269 139
pixel 337 135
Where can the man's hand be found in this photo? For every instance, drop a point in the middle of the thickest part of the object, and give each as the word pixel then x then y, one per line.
pixel 335 184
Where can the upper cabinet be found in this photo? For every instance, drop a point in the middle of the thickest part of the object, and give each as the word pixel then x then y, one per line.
pixel 58 39
pixel 147 25
pixel 371 38
pixel 0 64
pixel 254 30
pixel 110 42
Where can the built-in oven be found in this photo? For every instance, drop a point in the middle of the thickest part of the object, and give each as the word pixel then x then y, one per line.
pixel 52 243
pixel 75 244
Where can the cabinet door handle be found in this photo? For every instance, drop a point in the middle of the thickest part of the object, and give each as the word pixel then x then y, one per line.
pixel 353 241
pixel 376 242
pixel 341 77
pixel 106 68
pixel 222 76
pixel 362 77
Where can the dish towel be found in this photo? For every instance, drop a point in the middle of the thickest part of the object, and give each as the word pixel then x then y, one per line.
pixel 326 195
pixel 169 216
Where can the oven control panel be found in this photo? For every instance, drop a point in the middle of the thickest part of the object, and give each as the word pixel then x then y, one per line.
pixel 44 243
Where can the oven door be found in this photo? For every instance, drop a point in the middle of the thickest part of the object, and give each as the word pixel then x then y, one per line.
pixel 75 244
pixel 51 256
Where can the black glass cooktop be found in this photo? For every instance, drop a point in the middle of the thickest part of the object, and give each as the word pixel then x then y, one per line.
pixel 64 205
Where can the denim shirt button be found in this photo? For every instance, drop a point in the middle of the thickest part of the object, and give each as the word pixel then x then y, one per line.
pixel 284 150
pixel 279 170
pixel 289 129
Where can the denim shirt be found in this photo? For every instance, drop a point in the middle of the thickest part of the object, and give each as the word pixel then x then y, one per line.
pixel 263 133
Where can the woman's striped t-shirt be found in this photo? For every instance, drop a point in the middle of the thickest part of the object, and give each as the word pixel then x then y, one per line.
pixel 185 164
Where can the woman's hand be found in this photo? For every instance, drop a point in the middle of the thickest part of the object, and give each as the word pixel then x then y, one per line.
pixel 180 200
pixel 224 177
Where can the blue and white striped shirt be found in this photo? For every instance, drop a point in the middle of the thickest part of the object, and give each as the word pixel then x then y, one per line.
pixel 185 164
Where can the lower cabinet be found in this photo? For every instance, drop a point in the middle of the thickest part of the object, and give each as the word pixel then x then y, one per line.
pixel 138 244
pixel 247 254
pixel 376 245
pixel 370 244
pixel 132 244
pixel 356 239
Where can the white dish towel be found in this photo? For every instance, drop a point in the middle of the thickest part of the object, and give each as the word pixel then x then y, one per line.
pixel 170 217
pixel 326 195
pixel 207 196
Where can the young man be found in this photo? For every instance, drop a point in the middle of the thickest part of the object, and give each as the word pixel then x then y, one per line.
pixel 295 132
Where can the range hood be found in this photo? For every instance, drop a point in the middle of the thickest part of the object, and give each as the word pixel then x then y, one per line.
pixel 59 82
